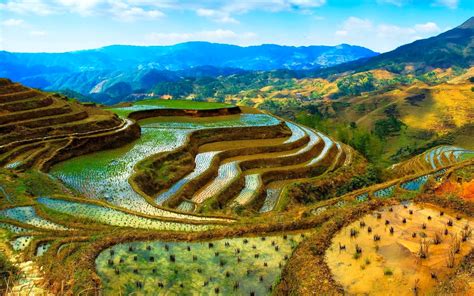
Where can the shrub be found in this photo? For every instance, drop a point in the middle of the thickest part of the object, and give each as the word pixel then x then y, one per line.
pixel 387 271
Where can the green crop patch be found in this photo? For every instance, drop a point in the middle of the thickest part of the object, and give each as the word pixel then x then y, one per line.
pixel 233 266
pixel 151 104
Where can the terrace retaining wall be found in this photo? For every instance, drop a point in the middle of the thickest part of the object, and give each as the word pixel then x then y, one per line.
pixel 142 114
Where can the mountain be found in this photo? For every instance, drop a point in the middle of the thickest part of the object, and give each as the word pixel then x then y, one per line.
pixel 139 68
pixel 453 48
pixel 192 54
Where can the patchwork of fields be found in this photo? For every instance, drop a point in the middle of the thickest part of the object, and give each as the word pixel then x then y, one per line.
pixel 196 201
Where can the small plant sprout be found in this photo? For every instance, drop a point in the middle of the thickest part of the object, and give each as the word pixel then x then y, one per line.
pixel 379 216
pixel 404 221
pixel 362 224
pixel 369 229
pixel 353 232
pixel 456 244
pixel 437 238
pixel 466 233
pixel 450 222
pixel 423 226
pixel 424 248
pixel 441 213
pixel 410 212
pixel 390 209
pixel 391 230
pixel 413 234
pixel 429 217
pixel 387 222
pixel 376 237
pixel 451 258
pixel 458 217
pixel 416 287
pixel 434 276
pixel 387 271
pixel 342 247
pixel 446 231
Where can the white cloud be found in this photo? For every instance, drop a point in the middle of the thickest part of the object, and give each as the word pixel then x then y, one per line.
pixel 453 4
pixel 218 10
pixel 225 11
pixel 218 35
pixel 38 33
pixel 38 7
pixel 82 7
pixel 126 10
pixel 216 15
pixel 428 27
pixel 342 33
pixel 384 36
pixel 398 3
pixel 13 22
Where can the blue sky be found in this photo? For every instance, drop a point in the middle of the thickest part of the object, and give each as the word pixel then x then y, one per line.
pixel 381 25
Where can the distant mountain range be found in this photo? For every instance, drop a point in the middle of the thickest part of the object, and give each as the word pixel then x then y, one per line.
pixel 93 71
pixel 204 70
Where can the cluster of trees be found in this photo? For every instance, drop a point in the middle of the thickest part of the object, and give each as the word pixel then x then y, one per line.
pixel 366 142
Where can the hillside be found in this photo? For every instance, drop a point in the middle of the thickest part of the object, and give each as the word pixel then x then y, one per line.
pixel 38 129
pixel 453 48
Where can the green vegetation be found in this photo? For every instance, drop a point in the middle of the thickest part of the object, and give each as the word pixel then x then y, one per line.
pixel 219 204
pixel 150 104
pixel 8 273
pixel 233 265
pixel 367 143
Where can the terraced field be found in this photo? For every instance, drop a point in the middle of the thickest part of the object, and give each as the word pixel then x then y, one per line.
pixel 152 104
pixel 398 237
pixel 38 129
pixel 188 198
pixel 226 266
pixel 435 158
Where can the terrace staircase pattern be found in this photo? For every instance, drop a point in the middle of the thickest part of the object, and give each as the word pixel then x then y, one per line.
pixel 253 178
pixel 432 159
pixel 35 126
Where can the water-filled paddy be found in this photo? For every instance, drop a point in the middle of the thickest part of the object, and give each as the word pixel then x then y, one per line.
pixel 233 266
pixel 114 217
pixel 394 263
pixel 183 122
pixel 104 175
pixel 28 216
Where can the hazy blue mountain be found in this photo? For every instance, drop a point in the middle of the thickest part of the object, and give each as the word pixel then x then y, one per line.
pixel 141 67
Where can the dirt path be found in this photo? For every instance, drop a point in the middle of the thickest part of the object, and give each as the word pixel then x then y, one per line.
pixel 31 276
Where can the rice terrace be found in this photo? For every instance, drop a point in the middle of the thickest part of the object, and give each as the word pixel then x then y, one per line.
pixel 203 168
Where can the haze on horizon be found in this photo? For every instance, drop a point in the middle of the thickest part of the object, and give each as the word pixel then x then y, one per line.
pixel 67 25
